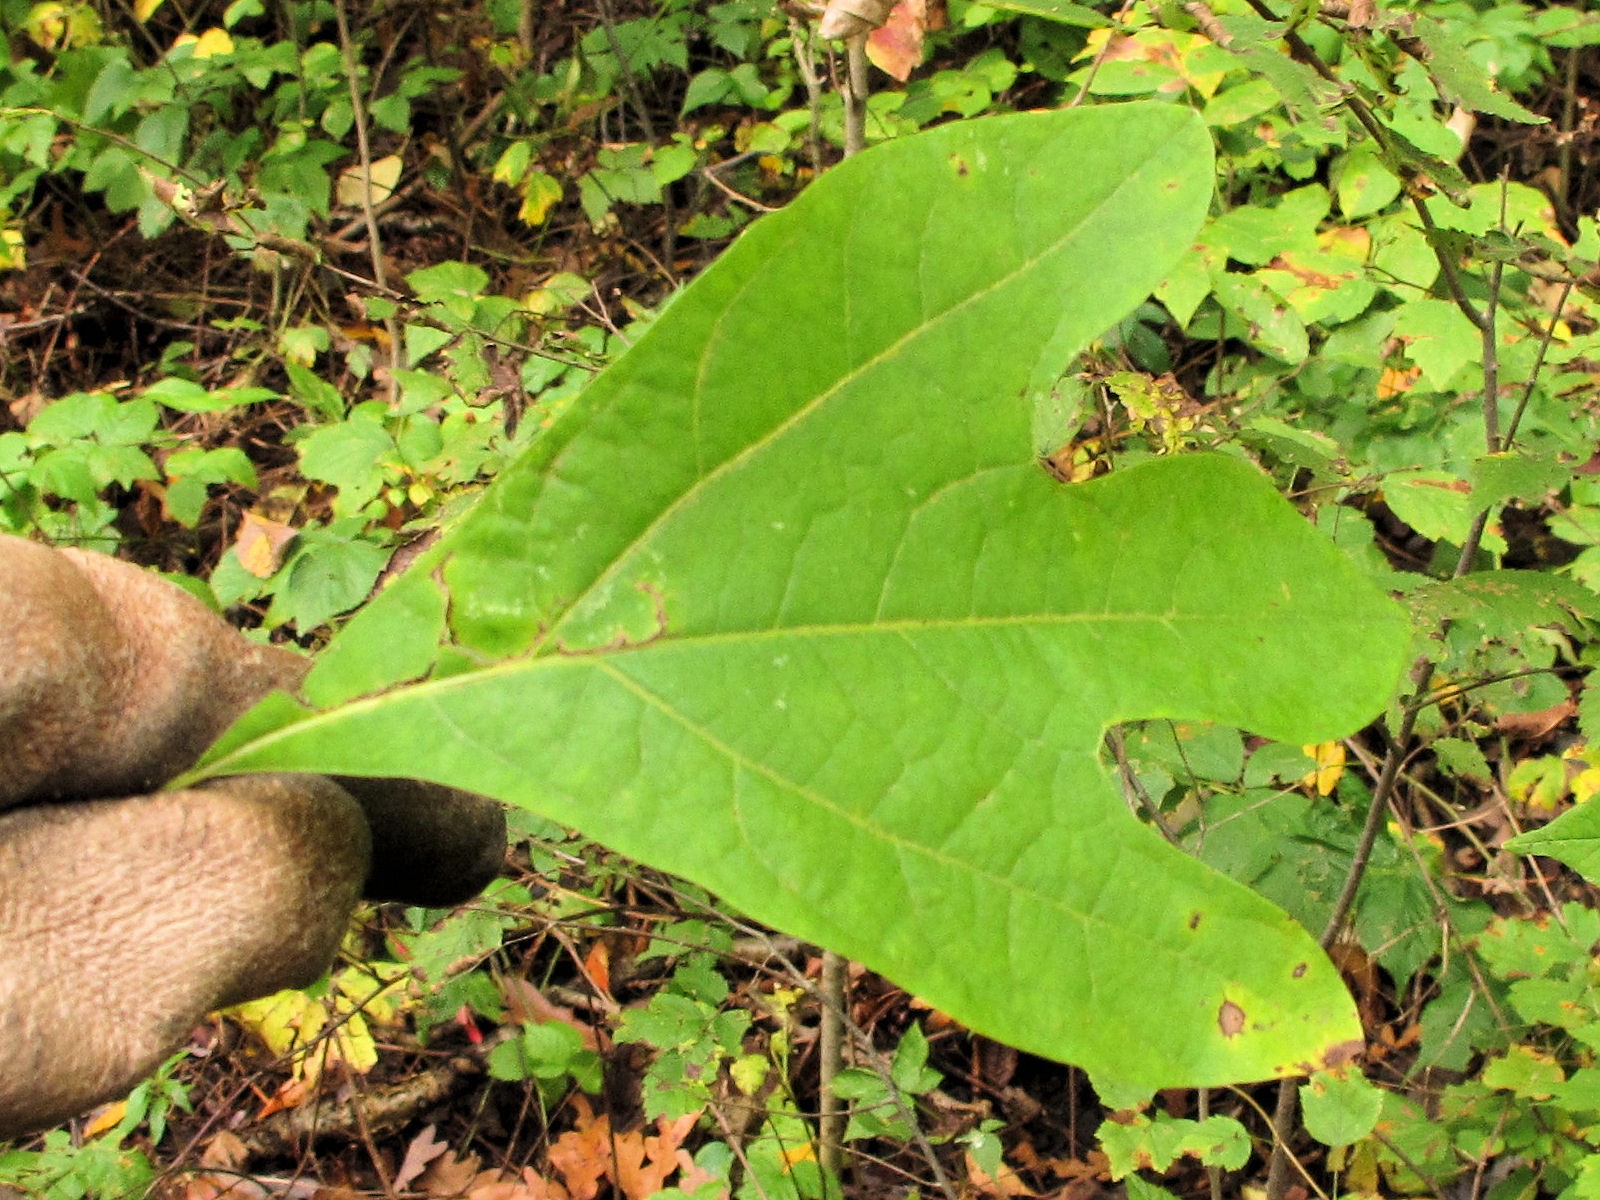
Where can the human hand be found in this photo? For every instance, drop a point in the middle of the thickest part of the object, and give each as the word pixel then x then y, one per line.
pixel 126 913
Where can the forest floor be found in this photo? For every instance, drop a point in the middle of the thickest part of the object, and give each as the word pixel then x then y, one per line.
pixel 411 1086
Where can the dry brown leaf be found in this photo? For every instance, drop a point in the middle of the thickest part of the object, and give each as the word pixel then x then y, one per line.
pixel 644 1164
pixel 583 1153
pixel 851 18
pixel 226 1150
pixel 511 1188
pixel 424 1148
pixel 637 1165
pixel 1534 725
pixel 291 1094
pixel 527 1005
pixel 597 966
pixel 1005 1183
pixel 259 544
pixel 540 1188
pixel 448 1175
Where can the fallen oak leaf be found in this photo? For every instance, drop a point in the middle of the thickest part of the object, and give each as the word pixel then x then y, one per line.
pixel 449 1175
pixel 530 1185
pixel 644 1164
pixel 583 1154
pixel 424 1148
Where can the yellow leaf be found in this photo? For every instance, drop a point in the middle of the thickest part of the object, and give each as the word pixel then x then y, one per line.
pixel 1586 784
pixel 283 1021
pixel 540 193
pixel 213 43
pixel 143 10
pixel 13 251
pixel 1540 783
pixel 353 1045
pixel 106 1118
pixel 804 1152
pixel 1394 382
pixel 1329 758
pixel 372 990
pixel 50 25
pixel 351 190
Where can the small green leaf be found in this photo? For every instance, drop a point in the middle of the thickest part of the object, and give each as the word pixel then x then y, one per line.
pixel 1155 1143
pixel 1340 1107
pixel 328 575
pixel 349 456
pixel 1525 1072
pixel 1514 475
pixel 910 1070
pixel 1438 339
pixel 454 285
pixel 181 395
pixel 1141 1189
pixel 540 1051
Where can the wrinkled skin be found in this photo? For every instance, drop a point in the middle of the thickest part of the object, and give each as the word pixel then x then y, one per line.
pixel 128 913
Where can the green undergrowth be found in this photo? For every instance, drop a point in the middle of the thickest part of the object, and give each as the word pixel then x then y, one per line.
pixel 325 347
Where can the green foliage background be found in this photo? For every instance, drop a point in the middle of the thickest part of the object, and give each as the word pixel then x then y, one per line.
pixel 412 223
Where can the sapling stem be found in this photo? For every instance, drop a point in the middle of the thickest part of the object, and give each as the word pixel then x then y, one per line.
pixel 835 971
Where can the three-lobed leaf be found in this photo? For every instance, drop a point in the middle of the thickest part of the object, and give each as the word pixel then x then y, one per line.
pixel 785 605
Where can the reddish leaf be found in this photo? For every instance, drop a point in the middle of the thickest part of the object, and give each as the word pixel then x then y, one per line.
pixel 895 48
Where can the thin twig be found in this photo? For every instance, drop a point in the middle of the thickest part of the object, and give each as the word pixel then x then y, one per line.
pixel 830 1120
pixel 800 40
pixel 358 110
pixel 855 95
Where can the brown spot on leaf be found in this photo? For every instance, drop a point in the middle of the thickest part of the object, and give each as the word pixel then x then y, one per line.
pixel 1299 970
pixel 1230 1019
pixel 1194 920
pixel 1335 1056
pixel 962 169
pixel 1344 1052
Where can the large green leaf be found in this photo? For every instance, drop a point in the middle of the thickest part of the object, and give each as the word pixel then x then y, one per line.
pixel 785 605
